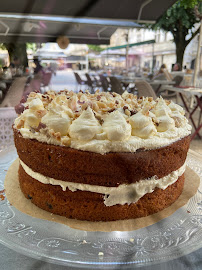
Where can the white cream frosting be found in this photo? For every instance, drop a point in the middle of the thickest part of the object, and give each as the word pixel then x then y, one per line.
pixel 142 125
pixel 85 127
pixel 123 194
pixel 59 122
pixel 116 127
pixel 102 122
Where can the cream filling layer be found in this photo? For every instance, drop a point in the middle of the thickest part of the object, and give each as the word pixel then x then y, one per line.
pixel 161 139
pixel 123 194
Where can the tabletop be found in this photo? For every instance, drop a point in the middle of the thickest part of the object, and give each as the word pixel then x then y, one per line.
pixel 162 82
pixel 186 90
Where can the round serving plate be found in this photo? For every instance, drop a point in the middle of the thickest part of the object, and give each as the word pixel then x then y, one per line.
pixel 168 239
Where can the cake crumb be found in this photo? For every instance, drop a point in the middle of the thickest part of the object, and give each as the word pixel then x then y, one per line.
pixel 84 242
pixel 132 240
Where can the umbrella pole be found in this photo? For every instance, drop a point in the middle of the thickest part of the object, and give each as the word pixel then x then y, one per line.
pixel 196 69
pixel 127 59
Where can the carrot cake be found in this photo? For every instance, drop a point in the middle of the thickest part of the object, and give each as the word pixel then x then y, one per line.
pixel 102 156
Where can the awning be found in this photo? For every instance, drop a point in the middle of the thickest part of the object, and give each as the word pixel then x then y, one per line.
pixel 131 10
pixel 53 51
pixel 86 21
pixel 41 29
pixel 132 45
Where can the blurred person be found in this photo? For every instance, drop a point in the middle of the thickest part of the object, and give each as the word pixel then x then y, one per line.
pixel 161 73
pixel 38 67
pixel 79 66
pixel 15 63
pixel 177 67
pixel 53 67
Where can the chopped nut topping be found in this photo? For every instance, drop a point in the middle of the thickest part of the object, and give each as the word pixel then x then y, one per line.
pixel 101 104
pixel 56 135
pixel 66 141
pixel 133 112
pixel 150 99
pixel 127 112
pixel 40 126
pixel 20 124
pixel 111 110
pixel 40 113
pixel 80 102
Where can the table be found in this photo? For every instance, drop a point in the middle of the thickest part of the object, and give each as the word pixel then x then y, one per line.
pixel 160 83
pixel 194 92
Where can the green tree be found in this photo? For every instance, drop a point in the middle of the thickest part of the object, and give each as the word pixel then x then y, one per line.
pixel 180 20
pixel 95 48
pixel 32 46
pixel 18 50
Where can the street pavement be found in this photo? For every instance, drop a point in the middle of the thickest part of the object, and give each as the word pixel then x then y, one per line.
pixel 65 79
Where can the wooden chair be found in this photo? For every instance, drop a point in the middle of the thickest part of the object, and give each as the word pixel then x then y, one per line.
pixel 90 82
pixel 145 89
pixel 167 94
pixel 79 80
pixel 45 82
pixel 104 83
pixel 96 81
pixel 116 86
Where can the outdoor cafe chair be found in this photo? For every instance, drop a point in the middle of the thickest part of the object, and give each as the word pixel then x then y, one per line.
pixel 116 86
pixel 91 83
pixel 97 82
pixel 79 80
pixel 167 94
pixel 104 83
pixel 145 89
pixel 46 78
pixel 1 96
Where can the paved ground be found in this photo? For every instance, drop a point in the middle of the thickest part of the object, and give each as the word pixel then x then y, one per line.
pixel 65 79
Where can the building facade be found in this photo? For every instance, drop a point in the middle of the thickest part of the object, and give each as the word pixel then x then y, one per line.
pixel 152 56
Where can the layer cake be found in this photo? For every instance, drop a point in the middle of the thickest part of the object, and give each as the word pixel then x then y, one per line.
pixel 102 156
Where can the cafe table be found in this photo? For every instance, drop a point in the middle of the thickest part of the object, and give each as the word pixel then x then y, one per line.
pixel 28 243
pixel 197 94
pixel 161 83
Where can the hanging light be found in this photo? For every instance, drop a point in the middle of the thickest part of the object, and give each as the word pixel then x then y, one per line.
pixel 63 42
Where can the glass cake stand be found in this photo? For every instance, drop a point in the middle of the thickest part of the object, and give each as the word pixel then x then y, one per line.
pixel 168 239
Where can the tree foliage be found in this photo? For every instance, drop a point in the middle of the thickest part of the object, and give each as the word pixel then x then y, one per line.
pixel 180 20
pixel 32 46
pixel 95 48
pixel 189 3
